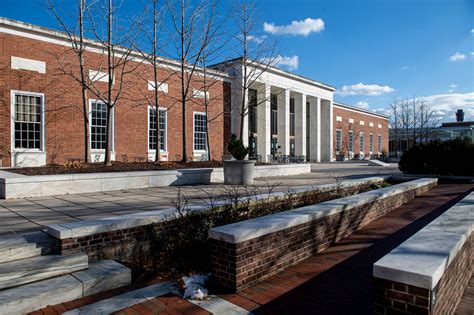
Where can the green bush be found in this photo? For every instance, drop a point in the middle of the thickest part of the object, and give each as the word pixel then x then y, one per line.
pixel 237 148
pixel 453 157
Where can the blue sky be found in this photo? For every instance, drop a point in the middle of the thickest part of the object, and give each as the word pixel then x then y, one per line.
pixel 373 51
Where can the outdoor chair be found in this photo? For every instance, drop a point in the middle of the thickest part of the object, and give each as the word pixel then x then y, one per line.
pixel 97 158
pixel 301 159
pixel 124 158
pixel 270 158
pixel 177 157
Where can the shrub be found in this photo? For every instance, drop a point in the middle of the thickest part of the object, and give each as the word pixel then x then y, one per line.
pixel 453 157
pixel 237 148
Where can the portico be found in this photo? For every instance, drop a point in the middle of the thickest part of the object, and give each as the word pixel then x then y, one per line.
pixel 285 114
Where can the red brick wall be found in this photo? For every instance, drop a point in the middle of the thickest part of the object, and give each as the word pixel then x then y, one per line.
pixel 357 128
pixel 398 298
pixel 63 117
pixel 236 266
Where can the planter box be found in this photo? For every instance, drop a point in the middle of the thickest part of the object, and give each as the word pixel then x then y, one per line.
pixel 19 186
pixel 239 172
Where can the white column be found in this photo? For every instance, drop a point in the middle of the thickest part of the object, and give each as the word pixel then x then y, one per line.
pixel 263 121
pixel 300 124
pixel 331 132
pixel 284 122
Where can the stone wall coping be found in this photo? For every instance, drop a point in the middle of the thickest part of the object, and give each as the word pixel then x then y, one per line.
pixel 422 259
pixel 9 177
pixel 104 175
pixel 85 228
pixel 254 228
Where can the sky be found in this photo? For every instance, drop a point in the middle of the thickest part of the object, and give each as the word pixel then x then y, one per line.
pixel 372 51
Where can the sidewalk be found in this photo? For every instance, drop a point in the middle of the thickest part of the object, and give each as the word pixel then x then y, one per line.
pixel 335 281
pixel 32 214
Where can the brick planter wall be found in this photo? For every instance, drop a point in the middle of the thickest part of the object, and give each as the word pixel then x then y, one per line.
pixel 132 245
pixel 398 298
pixel 238 265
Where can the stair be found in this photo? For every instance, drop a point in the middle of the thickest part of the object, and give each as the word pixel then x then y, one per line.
pixel 30 281
pixel 15 248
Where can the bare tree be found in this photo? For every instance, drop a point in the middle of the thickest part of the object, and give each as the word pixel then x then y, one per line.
pixel 76 37
pixel 190 44
pixel 119 63
pixel 412 121
pixel 257 55
pixel 152 38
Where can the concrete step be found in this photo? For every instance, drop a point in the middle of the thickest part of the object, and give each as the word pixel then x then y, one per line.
pixel 19 251
pixel 18 272
pixel 11 240
pixel 101 276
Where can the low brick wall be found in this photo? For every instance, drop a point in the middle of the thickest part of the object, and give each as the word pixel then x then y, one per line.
pixel 127 238
pixel 393 297
pixel 428 273
pixel 237 264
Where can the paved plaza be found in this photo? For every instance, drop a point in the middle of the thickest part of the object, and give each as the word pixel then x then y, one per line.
pixel 30 214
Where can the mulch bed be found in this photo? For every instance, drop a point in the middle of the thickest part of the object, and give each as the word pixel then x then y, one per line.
pixel 76 168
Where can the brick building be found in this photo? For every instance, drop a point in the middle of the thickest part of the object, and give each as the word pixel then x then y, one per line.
pixel 41 119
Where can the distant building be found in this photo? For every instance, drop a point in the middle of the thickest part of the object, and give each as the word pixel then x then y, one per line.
pixel 400 140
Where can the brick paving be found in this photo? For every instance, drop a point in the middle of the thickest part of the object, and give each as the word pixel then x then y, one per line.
pixel 335 281
pixel 32 214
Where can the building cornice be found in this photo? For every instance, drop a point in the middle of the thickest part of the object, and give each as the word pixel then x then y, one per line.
pixel 31 31
pixel 360 110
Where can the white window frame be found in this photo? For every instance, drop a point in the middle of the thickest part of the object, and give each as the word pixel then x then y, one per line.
pixel 371 143
pixel 350 138
pixel 361 142
pixel 112 112
pixel 194 121
pixel 12 122
pixel 379 143
pixel 166 129
pixel 340 144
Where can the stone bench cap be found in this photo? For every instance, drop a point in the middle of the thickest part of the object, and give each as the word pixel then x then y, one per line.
pixel 113 223
pixel 422 259
pixel 257 227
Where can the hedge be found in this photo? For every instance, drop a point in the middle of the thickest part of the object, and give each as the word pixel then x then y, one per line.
pixel 453 157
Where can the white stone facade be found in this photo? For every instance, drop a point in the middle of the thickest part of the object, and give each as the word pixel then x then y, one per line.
pixel 307 102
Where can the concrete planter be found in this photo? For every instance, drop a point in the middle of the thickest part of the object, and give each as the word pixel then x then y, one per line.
pixel 239 172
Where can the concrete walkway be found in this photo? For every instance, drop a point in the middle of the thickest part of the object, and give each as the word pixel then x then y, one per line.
pixel 30 214
pixel 335 281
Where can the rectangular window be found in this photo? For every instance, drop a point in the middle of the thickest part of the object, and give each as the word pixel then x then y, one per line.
pixel 351 141
pixel 274 114
pixel 98 121
pixel 362 142
pixel 379 143
pixel 292 117
pixel 252 109
pixel 200 132
pixel 371 142
pixel 338 140
pixel 28 121
pixel 163 128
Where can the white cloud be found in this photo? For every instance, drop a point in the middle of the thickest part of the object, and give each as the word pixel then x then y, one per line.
pixel 472 53
pixel 256 39
pixel 472 31
pixel 453 86
pixel 362 104
pixel 457 57
pixel 364 89
pixel 291 63
pixel 303 27
pixel 405 68
pixel 445 105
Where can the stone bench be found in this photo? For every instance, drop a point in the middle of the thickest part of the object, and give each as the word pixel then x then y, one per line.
pixel 246 252
pixel 427 274
pixel 118 237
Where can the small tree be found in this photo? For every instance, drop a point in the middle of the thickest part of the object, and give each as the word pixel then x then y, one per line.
pixel 78 45
pixel 118 64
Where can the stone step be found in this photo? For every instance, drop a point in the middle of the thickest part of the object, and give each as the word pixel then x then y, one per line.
pixel 18 272
pixel 19 251
pixel 101 276
pixel 9 240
